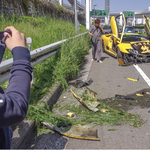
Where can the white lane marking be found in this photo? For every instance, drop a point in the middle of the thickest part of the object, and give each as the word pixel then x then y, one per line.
pixel 145 77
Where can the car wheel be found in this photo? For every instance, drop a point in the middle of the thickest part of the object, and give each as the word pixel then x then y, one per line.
pixel 120 57
pixel 123 58
pixel 103 48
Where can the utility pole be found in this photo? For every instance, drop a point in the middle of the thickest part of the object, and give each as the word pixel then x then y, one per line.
pixel 60 2
pixel 75 16
pixel 87 15
pixel 94 13
pixel 90 10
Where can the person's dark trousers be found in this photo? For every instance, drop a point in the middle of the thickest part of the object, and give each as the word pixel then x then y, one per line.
pixel 96 49
pixel 7 134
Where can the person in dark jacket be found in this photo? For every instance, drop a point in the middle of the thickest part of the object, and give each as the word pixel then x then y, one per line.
pixel 95 32
pixel 14 101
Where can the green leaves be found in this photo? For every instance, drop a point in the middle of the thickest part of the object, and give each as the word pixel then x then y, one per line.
pixel 71 56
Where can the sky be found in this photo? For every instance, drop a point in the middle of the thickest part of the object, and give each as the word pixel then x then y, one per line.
pixel 120 5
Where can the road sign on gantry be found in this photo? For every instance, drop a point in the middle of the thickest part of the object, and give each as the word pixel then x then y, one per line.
pixel 128 13
pixel 98 12
pixel 91 13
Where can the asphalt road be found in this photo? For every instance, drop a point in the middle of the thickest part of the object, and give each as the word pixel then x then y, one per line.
pixel 110 79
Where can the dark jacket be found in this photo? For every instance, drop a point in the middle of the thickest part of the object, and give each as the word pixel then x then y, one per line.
pixel 14 101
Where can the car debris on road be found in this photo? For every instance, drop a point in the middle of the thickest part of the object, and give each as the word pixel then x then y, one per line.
pixel 139 94
pixel 70 114
pixel 89 105
pixel 75 131
pixel 123 97
pixel 80 83
pixel 132 79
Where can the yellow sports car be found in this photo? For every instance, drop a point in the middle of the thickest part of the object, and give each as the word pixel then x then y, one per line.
pixel 128 48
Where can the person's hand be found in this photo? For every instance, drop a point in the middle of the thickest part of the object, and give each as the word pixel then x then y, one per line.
pixel 100 26
pixel 15 39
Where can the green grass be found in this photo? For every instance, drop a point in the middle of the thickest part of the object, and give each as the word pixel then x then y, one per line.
pixel 71 57
pixel 42 30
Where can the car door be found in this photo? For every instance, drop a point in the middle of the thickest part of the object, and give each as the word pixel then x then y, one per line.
pixel 115 31
pixel 117 37
pixel 147 26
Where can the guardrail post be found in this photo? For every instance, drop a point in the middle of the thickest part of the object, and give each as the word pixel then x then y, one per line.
pixel 29 41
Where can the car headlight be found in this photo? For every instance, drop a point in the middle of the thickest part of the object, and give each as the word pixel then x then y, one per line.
pixel 132 51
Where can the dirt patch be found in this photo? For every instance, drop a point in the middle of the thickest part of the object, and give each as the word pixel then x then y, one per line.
pixel 142 101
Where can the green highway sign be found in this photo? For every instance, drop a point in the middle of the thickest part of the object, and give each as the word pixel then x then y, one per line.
pixel 128 13
pixel 98 12
pixel 91 13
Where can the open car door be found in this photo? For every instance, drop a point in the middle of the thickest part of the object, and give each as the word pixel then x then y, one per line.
pixel 147 26
pixel 117 37
pixel 115 29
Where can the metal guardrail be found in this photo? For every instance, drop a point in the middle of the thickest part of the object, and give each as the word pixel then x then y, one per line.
pixel 38 55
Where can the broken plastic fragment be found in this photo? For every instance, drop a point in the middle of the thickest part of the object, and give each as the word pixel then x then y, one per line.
pixel 75 131
pixel 132 79
pixel 91 93
pixel 90 107
pixel 104 110
pixel 70 114
pixel 124 97
pixel 93 104
pixel 139 94
pixel 80 83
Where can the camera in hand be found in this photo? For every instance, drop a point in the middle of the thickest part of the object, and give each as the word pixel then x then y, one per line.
pixel 2 43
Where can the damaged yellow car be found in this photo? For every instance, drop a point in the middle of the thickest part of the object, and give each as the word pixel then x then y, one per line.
pixel 128 48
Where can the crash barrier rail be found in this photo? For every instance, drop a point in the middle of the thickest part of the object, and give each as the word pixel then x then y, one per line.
pixel 37 56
